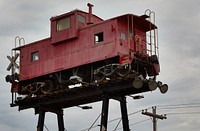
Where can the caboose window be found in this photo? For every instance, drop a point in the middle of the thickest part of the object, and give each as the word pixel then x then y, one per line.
pixel 123 36
pixel 63 24
pixel 35 56
pixel 81 19
pixel 98 37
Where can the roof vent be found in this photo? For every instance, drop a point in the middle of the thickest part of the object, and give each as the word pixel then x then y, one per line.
pixel 90 19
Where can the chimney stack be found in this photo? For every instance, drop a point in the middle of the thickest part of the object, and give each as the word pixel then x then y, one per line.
pixel 90 19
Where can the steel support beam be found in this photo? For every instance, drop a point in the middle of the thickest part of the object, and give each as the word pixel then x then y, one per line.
pixel 41 119
pixel 124 114
pixel 60 121
pixel 104 113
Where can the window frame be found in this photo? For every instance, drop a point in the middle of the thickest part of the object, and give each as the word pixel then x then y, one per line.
pixel 123 36
pixel 63 24
pixel 98 37
pixel 34 56
pixel 81 19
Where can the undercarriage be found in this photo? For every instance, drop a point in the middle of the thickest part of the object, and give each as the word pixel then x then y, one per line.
pixel 91 74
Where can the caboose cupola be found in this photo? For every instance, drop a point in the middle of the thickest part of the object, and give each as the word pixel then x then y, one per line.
pixel 66 26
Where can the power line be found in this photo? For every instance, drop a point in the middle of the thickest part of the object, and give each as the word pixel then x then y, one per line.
pixel 117 125
pixel 46 127
pixel 184 104
pixel 172 106
pixel 183 113
pixel 140 122
pixel 128 115
pixel 176 107
pixel 94 122
pixel 136 123
pixel 116 128
pixel 93 126
pixel 175 113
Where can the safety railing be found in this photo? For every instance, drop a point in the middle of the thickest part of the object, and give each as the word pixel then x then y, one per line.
pixel 152 35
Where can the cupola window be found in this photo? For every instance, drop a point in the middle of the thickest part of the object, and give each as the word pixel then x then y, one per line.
pixel 63 24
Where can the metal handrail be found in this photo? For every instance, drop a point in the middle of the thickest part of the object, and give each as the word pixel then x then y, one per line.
pixel 153 40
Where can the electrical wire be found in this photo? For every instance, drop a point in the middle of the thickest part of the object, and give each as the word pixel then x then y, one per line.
pixel 117 125
pixel 140 122
pixel 116 128
pixel 46 127
pixel 94 122
pixel 121 118
pixel 183 113
pixel 135 123
pixel 174 105
pixel 92 126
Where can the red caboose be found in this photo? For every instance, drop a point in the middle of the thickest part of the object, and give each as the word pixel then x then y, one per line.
pixel 83 48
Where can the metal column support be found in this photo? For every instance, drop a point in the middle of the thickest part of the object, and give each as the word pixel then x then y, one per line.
pixel 41 118
pixel 124 113
pixel 60 121
pixel 104 113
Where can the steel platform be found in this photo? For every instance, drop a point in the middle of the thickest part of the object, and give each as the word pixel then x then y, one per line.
pixel 86 93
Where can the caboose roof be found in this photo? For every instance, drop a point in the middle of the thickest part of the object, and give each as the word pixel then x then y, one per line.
pixel 134 19
pixel 71 13
pixel 137 21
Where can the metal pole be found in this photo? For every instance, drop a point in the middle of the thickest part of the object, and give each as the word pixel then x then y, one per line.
pixel 41 118
pixel 104 113
pixel 60 121
pixel 124 113
pixel 154 119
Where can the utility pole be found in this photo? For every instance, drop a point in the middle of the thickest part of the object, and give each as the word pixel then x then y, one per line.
pixel 154 116
pixel 154 119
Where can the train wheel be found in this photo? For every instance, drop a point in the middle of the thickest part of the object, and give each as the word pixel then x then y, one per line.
pixel 124 70
pixel 137 83
pixel 47 88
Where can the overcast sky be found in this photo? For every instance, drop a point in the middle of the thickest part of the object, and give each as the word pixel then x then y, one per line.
pixel 178 22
